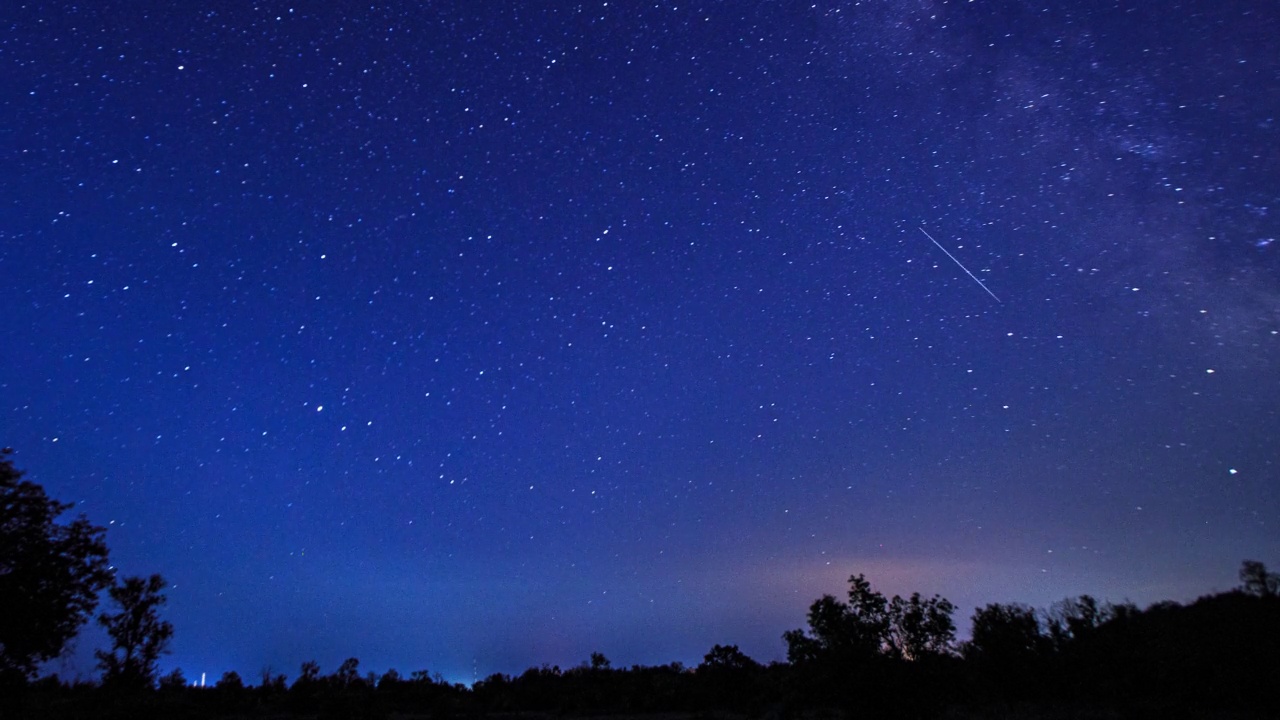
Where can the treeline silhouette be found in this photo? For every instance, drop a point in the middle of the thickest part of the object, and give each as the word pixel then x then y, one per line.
pixel 861 656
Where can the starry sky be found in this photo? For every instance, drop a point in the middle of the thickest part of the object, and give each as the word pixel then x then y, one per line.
pixel 469 336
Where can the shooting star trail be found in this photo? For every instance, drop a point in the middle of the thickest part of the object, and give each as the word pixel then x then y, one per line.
pixel 962 267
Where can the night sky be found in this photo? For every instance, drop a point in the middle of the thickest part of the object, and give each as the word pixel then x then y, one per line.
pixel 469 336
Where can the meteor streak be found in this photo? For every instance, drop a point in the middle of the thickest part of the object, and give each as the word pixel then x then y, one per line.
pixel 962 267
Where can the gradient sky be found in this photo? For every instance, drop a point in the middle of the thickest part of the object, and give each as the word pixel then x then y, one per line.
pixel 469 336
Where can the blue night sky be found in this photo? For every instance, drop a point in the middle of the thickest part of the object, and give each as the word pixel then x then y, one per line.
pixel 469 336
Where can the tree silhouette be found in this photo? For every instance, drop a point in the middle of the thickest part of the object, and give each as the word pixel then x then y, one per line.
pixel 1073 620
pixel 921 628
pixel 842 631
pixel 868 625
pixel 173 681
pixel 860 657
pixel 139 637
pixel 727 657
pixel 1257 581
pixel 826 615
pixel 230 680
pixel 309 673
pixel 1006 634
pixel 868 618
pixel 728 679
pixel 50 574
pixel 348 673
pixel 599 661
pixel 273 682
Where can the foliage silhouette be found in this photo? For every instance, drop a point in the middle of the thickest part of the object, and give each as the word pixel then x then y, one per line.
pixel 1006 635
pixel 348 673
pixel 50 574
pixel 727 658
pixel 173 680
pixel 1007 651
pixel 842 632
pixel 864 657
pixel 139 637
pixel 1211 657
pixel 868 626
pixel 230 680
pixel 921 628
pixel 599 661
pixel 870 654
pixel 1255 580
pixel 310 672
pixel 728 679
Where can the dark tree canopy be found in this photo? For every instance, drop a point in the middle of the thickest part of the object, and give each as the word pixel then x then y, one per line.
pixel 727 657
pixel 599 661
pixel 348 672
pixel 1256 580
pixel 1006 634
pixel 1080 657
pixel 840 630
pixel 50 573
pixel 175 680
pixel 230 680
pixel 309 673
pixel 920 628
pixel 870 626
pixel 139 637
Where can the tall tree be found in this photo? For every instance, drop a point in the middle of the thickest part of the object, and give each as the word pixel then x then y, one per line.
pixel 868 616
pixel 50 573
pixel 139 637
